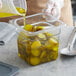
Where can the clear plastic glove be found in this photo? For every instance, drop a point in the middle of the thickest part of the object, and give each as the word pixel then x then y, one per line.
pixel 53 8
pixel 0 4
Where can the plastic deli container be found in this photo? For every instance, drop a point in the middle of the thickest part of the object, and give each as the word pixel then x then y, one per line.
pixel 40 42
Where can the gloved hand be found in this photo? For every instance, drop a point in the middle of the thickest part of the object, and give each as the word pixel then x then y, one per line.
pixel 0 4
pixel 53 8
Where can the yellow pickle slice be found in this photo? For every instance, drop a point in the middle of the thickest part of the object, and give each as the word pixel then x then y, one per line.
pixel 42 36
pixel 39 28
pixel 48 34
pixel 34 60
pixel 43 54
pixel 35 52
pixel 28 27
pixel 36 44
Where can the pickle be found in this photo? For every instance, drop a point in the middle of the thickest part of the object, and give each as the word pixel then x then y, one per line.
pixel 53 41
pixel 48 58
pixel 28 27
pixel 53 55
pixel 20 48
pixel 42 48
pixel 43 60
pixel 28 47
pixel 35 52
pixel 48 34
pixel 36 44
pixel 34 60
pixel 21 51
pixel 39 28
pixel 42 36
pixel 55 48
pixel 28 50
pixel 48 47
pixel 43 54
pixel 22 37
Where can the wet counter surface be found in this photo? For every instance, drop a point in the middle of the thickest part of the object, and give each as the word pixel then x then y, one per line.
pixel 63 66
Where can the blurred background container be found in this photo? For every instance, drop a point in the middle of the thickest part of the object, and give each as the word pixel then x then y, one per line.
pixel 74 10
pixel 74 7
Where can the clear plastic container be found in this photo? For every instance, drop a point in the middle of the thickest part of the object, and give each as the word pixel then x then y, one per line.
pixel 12 8
pixel 40 43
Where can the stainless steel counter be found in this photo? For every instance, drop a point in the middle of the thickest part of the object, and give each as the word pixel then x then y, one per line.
pixel 63 66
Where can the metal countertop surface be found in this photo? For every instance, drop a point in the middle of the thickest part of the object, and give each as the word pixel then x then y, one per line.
pixel 63 66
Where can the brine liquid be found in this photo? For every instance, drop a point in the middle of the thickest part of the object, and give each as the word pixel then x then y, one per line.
pixel 20 10
pixel 6 15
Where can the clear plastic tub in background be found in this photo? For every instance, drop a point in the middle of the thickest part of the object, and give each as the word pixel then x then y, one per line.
pixel 40 44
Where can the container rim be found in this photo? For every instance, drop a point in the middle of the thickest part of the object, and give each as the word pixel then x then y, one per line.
pixel 14 21
pixel 41 31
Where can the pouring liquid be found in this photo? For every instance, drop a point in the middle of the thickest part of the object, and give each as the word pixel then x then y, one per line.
pixel 23 12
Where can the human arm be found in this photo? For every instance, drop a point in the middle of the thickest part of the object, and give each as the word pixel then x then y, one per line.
pixel 66 13
pixel 0 4
pixel 36 6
